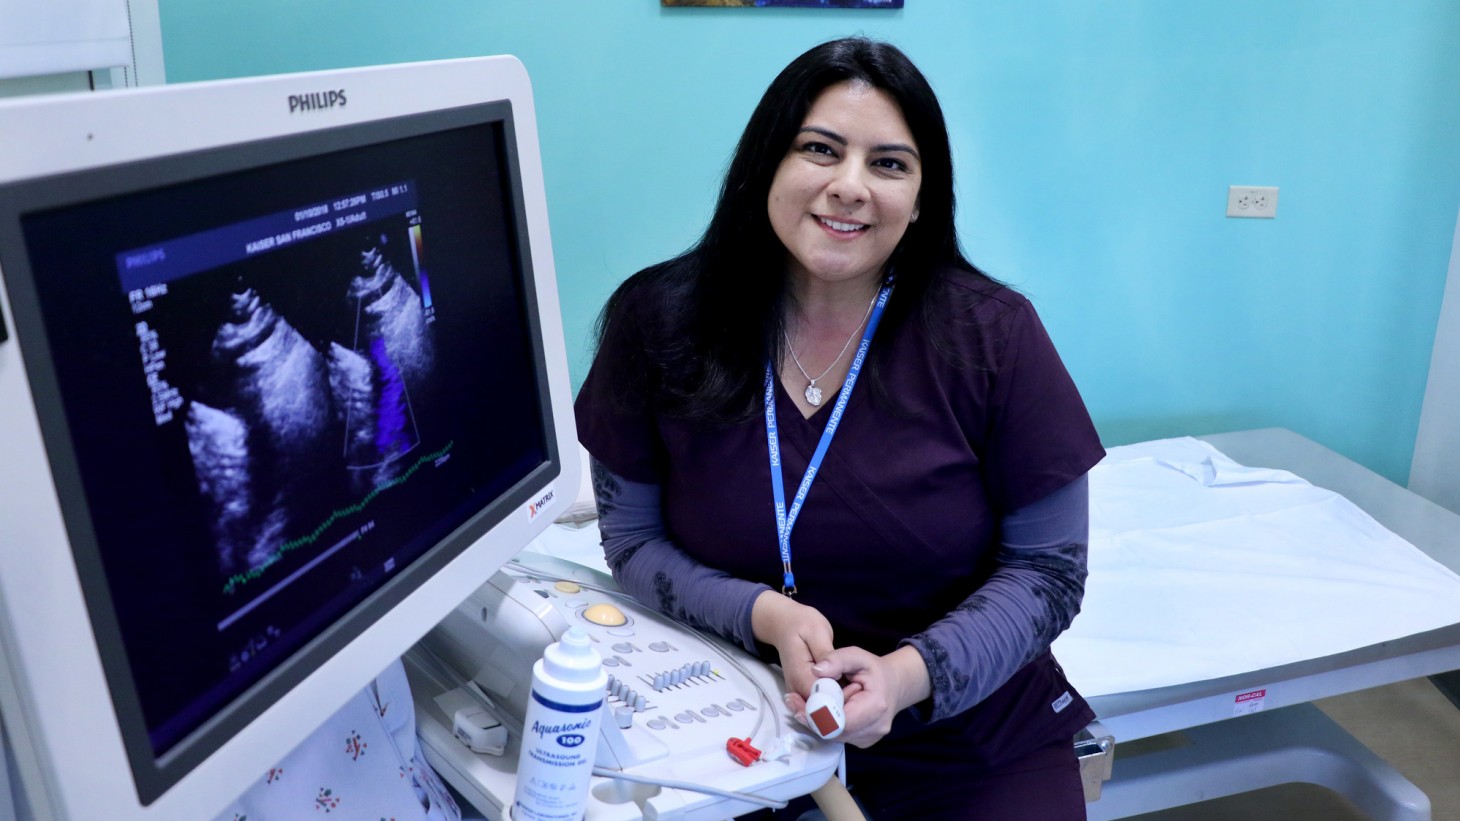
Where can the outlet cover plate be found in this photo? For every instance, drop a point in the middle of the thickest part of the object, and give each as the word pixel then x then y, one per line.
pixel 1252 201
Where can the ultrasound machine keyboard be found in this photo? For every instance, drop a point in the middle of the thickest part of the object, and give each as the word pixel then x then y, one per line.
pixel 677 701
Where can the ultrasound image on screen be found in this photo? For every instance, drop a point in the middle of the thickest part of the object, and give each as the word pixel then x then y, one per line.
pixel 276 406
pixel 279 416
pixel 301 362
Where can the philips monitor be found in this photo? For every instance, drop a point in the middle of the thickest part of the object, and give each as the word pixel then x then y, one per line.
pixel 282 382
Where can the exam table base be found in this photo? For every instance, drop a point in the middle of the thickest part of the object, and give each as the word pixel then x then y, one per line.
pixel 1297 744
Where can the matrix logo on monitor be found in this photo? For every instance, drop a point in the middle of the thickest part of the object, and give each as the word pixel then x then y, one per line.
pixel 534 508
pixel 316 100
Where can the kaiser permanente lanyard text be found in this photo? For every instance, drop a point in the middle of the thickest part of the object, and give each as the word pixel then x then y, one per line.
pixel 787 520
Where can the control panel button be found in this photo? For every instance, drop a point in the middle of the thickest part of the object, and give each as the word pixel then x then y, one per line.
pixel 568 587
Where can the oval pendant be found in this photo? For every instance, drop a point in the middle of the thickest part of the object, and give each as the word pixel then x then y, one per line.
pixel 813 395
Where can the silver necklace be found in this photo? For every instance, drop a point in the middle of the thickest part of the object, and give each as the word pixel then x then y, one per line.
pixel 813 393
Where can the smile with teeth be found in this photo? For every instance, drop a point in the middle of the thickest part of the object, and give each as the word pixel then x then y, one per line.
pixel 843 227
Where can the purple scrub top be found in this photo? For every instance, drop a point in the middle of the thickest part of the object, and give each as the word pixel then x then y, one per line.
pixel 901 523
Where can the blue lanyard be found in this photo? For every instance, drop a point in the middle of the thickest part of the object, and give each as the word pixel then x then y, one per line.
pixel 786 520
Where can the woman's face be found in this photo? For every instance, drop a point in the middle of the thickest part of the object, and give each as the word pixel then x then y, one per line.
pixel 847 189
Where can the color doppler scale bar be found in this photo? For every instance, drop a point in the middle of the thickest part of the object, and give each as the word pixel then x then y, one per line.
pixel 682 731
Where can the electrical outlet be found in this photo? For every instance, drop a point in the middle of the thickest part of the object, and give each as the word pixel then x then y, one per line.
pixel 1252 201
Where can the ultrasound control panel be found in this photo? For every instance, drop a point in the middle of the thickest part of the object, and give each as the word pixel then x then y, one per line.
pixel 675 699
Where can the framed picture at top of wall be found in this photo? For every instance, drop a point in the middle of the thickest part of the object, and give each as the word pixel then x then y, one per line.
pixel 800 4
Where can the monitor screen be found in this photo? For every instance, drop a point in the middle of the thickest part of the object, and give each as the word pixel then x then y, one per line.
pixel 280 384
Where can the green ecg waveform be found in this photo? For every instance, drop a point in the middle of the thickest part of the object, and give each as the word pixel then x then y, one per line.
pixel 239 579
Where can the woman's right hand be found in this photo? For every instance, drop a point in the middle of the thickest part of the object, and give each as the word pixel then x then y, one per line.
pixel 799 633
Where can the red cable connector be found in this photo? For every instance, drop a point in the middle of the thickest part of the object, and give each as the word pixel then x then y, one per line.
pixel 740 750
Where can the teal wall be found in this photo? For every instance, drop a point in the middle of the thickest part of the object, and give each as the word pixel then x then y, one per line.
pixel 1094 139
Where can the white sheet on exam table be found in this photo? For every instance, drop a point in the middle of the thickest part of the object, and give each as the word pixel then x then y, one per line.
pixel 1202 568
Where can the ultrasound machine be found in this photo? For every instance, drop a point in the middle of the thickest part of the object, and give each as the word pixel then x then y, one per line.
pixel 283 387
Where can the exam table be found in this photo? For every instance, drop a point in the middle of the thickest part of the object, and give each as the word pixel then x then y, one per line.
pixel 1286 739
pixel 1256 728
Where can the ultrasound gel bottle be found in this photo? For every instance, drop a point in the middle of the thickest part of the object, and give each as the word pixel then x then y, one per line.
pixel 560 733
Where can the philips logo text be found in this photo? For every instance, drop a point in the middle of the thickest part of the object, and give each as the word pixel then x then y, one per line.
pixel 316 100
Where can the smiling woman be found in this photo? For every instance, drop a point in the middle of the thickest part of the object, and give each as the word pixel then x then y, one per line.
pixel 845 193
pixel 942 544
pixel 840 202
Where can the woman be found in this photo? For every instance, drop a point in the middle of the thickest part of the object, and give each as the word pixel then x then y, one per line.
pixel 939 546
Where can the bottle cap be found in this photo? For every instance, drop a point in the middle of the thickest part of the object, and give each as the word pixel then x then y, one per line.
pixel 572 657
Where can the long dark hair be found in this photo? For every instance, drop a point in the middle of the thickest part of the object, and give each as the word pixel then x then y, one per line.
pixel 709 318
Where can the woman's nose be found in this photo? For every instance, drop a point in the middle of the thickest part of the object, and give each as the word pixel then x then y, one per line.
pixel 849 184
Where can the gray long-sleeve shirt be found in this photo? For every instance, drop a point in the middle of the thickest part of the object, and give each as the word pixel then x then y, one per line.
pixel 1032 595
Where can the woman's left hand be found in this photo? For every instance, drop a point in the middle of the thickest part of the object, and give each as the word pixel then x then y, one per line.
pixel 879 687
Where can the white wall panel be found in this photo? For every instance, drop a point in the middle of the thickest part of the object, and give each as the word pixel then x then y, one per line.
pixel 1435 472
